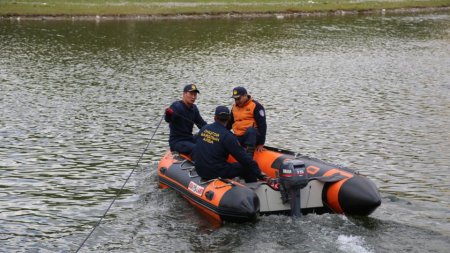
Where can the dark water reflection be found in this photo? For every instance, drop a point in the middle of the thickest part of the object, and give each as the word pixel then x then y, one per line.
pixel 81 100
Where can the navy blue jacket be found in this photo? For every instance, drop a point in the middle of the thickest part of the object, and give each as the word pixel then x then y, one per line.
pixel 214 143
pixel 181 123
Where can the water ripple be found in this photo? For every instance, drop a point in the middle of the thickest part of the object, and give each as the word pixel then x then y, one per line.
pixel 81 100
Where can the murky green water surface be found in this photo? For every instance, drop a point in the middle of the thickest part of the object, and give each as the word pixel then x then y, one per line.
pixel 81 100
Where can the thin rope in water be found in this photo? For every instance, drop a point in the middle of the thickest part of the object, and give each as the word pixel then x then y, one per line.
pixel 120 191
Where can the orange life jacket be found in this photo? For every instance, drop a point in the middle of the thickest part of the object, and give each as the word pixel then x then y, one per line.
pixel 243 117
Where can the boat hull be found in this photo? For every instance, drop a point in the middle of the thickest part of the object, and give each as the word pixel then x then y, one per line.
pixel 330 188
pixel 341 189
pixel 221 199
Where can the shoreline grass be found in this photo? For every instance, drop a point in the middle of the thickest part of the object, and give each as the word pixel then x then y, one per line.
pixel 162 8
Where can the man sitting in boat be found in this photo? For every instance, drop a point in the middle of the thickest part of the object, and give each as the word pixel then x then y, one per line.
pixel 214 144
pixel 181 116
pixel 248 121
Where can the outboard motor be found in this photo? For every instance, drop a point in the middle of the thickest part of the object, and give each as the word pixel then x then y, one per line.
pixel 293 177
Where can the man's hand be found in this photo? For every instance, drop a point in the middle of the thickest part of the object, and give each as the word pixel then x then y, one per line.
pixel 262 176
pixel 169 112
pixel 259 147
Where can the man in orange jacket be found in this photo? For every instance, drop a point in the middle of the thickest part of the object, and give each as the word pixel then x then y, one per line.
pixel 248 121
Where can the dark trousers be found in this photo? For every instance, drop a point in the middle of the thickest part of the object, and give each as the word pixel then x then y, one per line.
pixel 249 137
pixel 232 170
pixel 184 147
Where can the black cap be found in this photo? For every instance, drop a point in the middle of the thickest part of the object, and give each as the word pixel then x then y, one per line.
pixel 191 87
pixel 222 110
pixel 239 91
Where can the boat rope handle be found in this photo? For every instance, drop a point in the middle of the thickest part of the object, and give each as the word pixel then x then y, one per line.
pixel 183 162
pixel 191 171
pixel 227 183
pixel 221 186
pixel 192 167
pixel 207 182
pixel 120 191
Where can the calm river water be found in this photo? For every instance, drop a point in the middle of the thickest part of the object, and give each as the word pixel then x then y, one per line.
pixel 80 101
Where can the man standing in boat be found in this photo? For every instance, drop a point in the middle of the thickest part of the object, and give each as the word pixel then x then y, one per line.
pixel 181 116
pixel 248 121
pixel 214 144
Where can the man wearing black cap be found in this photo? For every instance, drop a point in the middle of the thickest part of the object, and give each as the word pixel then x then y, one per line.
pixel 214 144
pixel 181 116
pixel 248 121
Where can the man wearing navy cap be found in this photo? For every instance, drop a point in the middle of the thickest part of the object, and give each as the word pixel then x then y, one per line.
pixel 181 116
pixel 248 121
pixel 214 144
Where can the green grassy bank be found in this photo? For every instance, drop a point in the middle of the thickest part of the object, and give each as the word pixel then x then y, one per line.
pixel 198 7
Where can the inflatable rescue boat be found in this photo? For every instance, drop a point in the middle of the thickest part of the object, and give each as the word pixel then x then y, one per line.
pixel 295 184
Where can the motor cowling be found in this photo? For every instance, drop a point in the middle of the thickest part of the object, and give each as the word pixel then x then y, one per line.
pixel 293 177
pixel 293 174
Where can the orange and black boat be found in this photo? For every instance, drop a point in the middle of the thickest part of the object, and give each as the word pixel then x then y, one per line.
pixel 295 184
